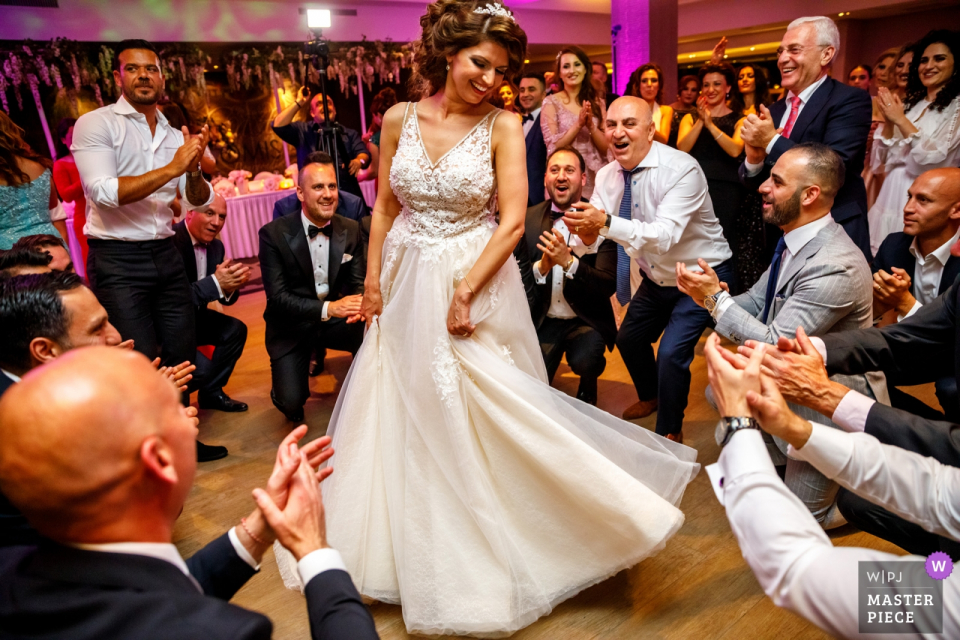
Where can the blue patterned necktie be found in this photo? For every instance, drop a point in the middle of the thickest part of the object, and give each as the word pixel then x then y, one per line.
pixel 623 260
pixel 774 276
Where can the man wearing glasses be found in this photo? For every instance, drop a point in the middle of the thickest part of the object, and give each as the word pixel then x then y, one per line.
pixel 815 108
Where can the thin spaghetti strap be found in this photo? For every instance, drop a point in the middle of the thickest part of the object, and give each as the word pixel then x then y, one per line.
pixel 406 112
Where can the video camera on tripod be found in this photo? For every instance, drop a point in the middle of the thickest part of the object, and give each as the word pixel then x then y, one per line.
pixel 317 51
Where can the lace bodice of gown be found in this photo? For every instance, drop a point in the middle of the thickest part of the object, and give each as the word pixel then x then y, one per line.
pixel 446 198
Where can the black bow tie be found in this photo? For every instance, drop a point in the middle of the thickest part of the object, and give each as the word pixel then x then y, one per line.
pixel 528 117
pixel 312 231
pixel 556 215
pixel 202 245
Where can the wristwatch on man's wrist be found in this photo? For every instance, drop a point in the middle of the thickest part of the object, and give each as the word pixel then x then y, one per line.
pixel 729 426
pixel 606 226
pixel 710 302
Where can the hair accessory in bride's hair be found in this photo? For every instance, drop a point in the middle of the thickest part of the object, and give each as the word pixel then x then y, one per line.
pixel 495 9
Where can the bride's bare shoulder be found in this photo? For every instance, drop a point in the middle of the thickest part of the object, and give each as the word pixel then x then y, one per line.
pixel 393 118
pixel 506 124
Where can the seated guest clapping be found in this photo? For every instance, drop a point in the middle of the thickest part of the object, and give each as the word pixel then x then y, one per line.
pixel 794 561
pixel 108 505
pixel 574 282
pixel 818 278
pixel 213 278
pixel 313 268
pixel 914 266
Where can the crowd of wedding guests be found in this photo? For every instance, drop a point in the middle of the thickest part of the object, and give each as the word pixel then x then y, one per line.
pixel 816 231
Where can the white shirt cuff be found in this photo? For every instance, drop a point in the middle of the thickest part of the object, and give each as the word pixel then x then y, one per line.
pixel 827 449
pixel 58 213
pixel 851 413
pixel 724 300
pixel 573 268
pixel 752 169
pixel 241 550
pixel 744 454
pixel 216 283
pixel 620 229
pixel 324 316
pixel 916 307
pixel 586 249
pixel 820 347
pixel 772 142
pixel 316 562
pixel 540 278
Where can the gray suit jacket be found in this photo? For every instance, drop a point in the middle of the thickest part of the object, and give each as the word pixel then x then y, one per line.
pixel 825 288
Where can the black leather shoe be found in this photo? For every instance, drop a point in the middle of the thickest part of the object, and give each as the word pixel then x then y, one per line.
pixel 221 402
pixel 206 452
pixel 587 392
pixel 298 418
pixel 316 369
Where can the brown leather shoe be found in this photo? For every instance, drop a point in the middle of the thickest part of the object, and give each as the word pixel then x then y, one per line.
pixel 641 409
pixel 676 437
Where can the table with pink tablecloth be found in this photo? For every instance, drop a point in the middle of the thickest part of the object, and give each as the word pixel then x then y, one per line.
pixel 245 215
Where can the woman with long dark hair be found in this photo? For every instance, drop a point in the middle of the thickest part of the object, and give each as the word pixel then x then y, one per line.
pixel 574 116
pixel 754 88
pixel 28 199
pixel 686 103
pixel 920 132
pixel 67 180
pixel 646 83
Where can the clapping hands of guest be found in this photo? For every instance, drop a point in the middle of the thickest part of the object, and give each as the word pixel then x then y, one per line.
pixel 585 119
pixel 555 251
pixel 189 153
pixel 179 374
pixel 757 132
pixel 231 275
pixel 703 110
pixel 892 291
pixel 890 106
pixel 699 285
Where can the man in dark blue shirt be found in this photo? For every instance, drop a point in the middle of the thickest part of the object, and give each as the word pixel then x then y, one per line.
pixel 305 136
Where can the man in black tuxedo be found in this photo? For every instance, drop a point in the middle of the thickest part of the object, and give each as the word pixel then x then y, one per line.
pixel 815 108
pixel 574 276
pixel 532 92
pixel 914 266
pixel 212 279
pixel 108 568
pixel 313 268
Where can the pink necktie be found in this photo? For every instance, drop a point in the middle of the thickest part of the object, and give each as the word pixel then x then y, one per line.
pixel 794 112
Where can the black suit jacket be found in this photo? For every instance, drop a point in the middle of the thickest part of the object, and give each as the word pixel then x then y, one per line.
pixel 204 290
pixel 292 305
pixel 348 206
pixel 14 528
pixel 895 252
pixel 838 116
pixel 588 292
pixel 536 163
pixel 920 349
pixel 55 591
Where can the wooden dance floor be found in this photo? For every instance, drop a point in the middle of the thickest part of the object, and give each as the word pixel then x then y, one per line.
pixel 698 587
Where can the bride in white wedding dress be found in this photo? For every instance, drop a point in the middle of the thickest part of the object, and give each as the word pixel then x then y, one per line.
pixel 466 488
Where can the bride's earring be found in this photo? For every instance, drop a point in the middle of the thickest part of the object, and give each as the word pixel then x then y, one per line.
pixel 448 67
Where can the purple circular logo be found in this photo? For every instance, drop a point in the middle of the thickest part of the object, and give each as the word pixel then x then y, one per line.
pixel 939 565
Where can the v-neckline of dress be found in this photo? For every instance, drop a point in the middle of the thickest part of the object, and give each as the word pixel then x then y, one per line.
pixel 423 147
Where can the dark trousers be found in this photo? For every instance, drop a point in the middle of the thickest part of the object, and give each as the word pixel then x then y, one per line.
pixel 144 288
pixel 228 336
pixel 581 342
pixel 656 310
pixel 877 521
pixel 290 372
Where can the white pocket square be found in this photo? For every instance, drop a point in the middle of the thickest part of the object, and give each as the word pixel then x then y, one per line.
pixel 346 258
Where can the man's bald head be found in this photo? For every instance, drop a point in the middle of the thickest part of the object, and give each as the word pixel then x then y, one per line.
pixel 932 212
pixel 96 447
pixel 629 129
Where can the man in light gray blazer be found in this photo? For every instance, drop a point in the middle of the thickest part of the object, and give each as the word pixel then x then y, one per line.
pixel 818 279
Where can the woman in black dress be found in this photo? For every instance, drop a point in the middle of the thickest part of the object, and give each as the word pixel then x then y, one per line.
pixel 712 135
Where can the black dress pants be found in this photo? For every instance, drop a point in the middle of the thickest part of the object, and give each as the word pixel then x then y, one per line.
pixel 144 288
pixel 290 372
pixel 581 342
pixel 228 336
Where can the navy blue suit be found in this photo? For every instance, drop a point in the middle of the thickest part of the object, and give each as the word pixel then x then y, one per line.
pixel 14 528
pixel 838 116
pixel 536 163
pixel 350 206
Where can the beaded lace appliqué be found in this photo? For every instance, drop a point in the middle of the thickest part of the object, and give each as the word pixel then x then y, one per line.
pixel 445 370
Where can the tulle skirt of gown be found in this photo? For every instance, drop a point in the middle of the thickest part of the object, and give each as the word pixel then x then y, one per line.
pixel 467 489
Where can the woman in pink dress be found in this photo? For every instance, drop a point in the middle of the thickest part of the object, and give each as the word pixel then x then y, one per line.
pixel 574 116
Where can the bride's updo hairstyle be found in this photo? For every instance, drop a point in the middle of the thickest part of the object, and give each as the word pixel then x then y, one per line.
pixel 452 25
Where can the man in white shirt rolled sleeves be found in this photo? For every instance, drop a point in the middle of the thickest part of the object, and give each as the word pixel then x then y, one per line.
pixel 792 558
pixel 665 217
pixel 131 164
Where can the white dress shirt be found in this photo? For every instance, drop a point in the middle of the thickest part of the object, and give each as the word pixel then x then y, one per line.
pixel 200 253
pixel 320 258
pixel 795 241
pixel 928 273
pixel 559 307
pixel 113 142
pixel 528 124
pixel 672 214
pixel 754 169
pixel 791 556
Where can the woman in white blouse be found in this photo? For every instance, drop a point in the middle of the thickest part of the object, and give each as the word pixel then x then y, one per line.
pixel 919 133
